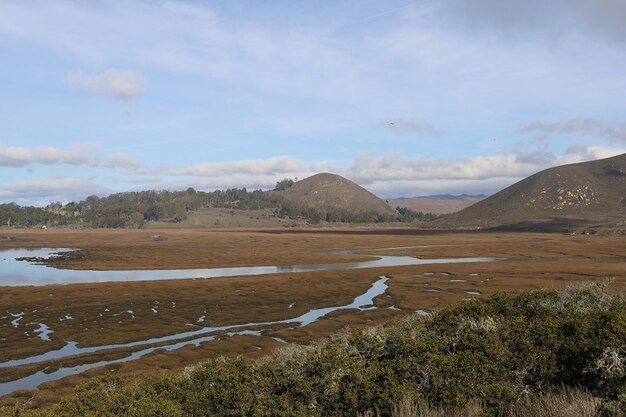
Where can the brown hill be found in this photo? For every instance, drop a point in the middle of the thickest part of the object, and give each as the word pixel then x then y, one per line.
pixel 568 197
pixel 435 205
pixel 330 192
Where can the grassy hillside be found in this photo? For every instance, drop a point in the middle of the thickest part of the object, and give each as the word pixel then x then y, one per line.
pixel 331 197
pixel 542 353
pixel 569 196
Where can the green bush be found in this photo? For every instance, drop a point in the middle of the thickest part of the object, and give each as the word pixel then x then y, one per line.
pixel 495 352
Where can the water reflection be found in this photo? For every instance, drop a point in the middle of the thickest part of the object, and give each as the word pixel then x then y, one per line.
pixel 20 273
pixel 364 301
pixel 17 273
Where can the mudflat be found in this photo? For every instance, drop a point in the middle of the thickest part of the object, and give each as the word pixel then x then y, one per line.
pixel 122 313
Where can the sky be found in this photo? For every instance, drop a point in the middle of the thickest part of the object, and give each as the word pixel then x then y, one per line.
pixel 406 98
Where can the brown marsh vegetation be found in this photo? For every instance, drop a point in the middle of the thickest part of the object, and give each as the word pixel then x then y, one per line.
pixel 535 261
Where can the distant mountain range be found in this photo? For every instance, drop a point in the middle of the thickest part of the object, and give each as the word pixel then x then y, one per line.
pixel 587 195
pixel 438 204
pixel 444 196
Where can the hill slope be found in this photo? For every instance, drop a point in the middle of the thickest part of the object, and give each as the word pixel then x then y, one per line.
pixel 330 192
pixel 569 196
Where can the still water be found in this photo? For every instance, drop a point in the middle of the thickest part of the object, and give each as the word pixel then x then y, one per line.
pixel 17 273
pixel 364 301
pixel 21 273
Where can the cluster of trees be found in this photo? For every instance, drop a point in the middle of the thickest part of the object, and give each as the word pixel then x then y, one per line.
pixel 12 214
pixel 284 184
pixel 133 209
pixel 331 214
pixel 495 356
pixel 408 215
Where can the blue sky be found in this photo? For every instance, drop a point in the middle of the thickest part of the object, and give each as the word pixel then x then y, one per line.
pixel 404 98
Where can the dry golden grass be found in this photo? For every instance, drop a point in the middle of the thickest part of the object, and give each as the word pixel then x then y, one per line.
pixel 567 403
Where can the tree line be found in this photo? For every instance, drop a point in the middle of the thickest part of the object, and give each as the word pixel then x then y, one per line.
pixel 134 209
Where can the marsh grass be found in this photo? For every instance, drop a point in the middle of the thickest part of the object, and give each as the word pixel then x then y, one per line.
pixel 534 354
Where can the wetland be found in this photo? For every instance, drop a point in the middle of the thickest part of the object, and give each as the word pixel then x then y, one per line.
pixel 305 286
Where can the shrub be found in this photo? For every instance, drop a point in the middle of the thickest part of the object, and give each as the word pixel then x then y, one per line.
pixel 519 355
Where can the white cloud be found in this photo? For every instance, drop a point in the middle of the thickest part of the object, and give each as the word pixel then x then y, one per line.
pixel 82 155
pixel 122 85
pixel 44 190
pixel 392 168
pixel 118 160
pixel 614 132
pixel 279 165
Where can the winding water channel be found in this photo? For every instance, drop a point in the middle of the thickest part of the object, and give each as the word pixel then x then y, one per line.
pixel 21 273
pixel 364 301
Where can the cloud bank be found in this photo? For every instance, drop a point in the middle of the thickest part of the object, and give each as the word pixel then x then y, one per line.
pixel 45 190
pixel 78 155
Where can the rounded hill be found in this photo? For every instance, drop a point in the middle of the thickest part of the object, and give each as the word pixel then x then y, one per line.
pixel 333 193
pixel 574 195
